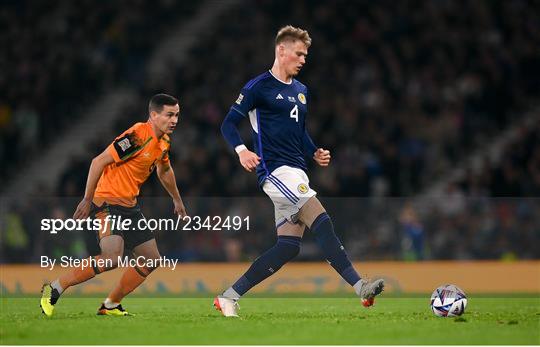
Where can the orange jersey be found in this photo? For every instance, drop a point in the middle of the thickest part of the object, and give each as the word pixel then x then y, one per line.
pixel 135 154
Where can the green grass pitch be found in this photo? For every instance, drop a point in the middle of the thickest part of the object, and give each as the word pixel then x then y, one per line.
pixel 393 320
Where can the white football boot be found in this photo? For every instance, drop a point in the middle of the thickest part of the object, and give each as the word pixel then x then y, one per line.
pixel 228 307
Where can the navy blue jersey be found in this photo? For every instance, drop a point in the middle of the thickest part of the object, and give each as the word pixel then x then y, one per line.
pixel 277 113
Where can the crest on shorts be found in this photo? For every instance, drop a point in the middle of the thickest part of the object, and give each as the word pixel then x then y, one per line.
pixel 303 188
pixel 302 98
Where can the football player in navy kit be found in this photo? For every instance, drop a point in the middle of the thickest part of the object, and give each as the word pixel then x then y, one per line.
pixel 276 105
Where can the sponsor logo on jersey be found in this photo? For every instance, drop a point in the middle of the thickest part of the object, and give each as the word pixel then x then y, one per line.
pixel 302 98
pixel 292 99
pixel 240 98
pixel 124 144
pixel 279 97
pixel 303 188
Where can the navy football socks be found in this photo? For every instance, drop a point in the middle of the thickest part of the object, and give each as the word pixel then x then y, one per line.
pixel 286 248
pixel 332 248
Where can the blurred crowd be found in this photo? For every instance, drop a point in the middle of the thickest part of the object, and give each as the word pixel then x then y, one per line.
pixel 400 92
pixel 516 175
pixel 57 57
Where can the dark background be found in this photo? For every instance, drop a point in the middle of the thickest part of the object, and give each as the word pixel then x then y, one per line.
pixel 400 92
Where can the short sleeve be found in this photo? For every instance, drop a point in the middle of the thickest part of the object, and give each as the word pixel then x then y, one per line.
pixel 129 143
pixel 245 101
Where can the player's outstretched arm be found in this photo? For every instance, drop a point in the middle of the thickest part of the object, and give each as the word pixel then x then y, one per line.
pixel 94 173
pixel 168 180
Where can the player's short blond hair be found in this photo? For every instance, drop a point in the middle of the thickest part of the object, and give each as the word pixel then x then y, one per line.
pixel 290 33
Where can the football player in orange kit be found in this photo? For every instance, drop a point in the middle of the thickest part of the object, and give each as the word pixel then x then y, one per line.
pixel 113 184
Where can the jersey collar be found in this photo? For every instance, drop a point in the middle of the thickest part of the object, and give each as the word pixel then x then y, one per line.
pixel 281 80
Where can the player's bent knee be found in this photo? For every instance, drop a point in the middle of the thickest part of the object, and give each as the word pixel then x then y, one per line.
pixel 289 229
pixel 111 260
pixel 286 249
pixel 321 222
pixel 150 269
pixel 290 247
pixel 293 252
pixel 310 211
pixel 144 271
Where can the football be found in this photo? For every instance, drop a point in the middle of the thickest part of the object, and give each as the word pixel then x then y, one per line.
pixel 448 301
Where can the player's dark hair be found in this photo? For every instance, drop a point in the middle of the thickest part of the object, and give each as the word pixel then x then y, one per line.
pixel 290 33
pixel 159 100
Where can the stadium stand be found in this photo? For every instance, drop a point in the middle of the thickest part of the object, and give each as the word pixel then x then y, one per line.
pixel 59 56
pixel 406 92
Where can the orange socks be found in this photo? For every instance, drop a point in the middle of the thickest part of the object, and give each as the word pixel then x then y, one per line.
pixel 130 280
pixel 81 274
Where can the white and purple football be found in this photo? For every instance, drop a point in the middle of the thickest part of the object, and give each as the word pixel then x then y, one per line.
pixel 448 301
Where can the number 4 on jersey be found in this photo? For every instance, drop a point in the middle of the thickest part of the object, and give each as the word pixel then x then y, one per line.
pixel 294 113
